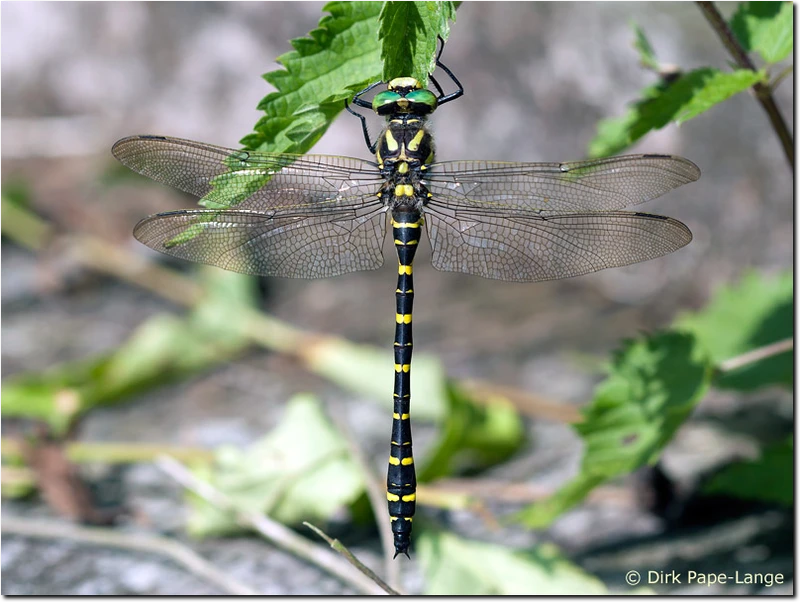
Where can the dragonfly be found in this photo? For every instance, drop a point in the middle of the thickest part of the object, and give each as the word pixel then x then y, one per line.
pixel 318 216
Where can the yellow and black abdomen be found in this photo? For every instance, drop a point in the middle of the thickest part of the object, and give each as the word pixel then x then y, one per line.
pixel 401 482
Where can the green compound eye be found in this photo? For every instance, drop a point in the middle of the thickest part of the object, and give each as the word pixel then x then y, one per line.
pixel 384 99
pixel 423 97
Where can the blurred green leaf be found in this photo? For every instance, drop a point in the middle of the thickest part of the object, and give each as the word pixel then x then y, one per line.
pixel 770 478
pixel 708 89
pixel 653 385
pixel 409 33
pixel 338 57
pixel 455 566
pixel 473 436
pixel 739 318
pixel 300 471
pixel 358 368
pixel 684 98
pixel 164 349
pixel 17 191
pixel 647 56
pixel 766 28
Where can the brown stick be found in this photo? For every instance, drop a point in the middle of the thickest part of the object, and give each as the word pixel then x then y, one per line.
pixel 763 91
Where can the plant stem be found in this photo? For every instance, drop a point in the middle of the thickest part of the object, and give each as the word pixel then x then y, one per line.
pixel 183 555
pixel 342 549
pixel 273 531
pixel 376 494
pixel 756 355
pixel 763 91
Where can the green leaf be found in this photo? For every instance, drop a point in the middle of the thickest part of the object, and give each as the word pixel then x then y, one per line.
pixel 409 33
pixel 769 479
pixel 680 100
pixel 300 471
pixel 708 89
pixel 755 312
pixel 647 56
pixel 653 385
pixel 337 58
pixel 455 566
pixel 473 436
pixel 359 368
pixel 162 350
pixel 766 28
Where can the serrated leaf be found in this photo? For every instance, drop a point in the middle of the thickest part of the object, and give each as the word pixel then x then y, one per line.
pixel 647 56
pixel 756 311
pixel 766 28
pixel 680 100
pixel 283 475
pixel 769 479
pixel 409 33
pixel 455 566
pixel 711 89
pixel 340 56
pixel 653 385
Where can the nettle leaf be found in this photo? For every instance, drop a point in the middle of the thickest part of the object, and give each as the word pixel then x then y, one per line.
pixel 456 566
pixel 755 312
pixel 409 33
pixel 653 385
pixel 769 479
pixel 679 100
pixel 765 28
pixel 281 475
pixel 340 56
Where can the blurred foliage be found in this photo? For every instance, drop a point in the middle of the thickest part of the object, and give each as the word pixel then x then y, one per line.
pixel 472 436
pixel 302 469
pixel 647 56
pixel 762 27
pixel 360 368
pixel 670 101
pixel 765 28
pixel 757 311
pixel 164 349
pixel 17 192
pixel 455 566
pixel 769 479
pixel 654 383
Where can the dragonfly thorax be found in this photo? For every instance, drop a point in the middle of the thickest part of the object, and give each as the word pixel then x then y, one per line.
pixel 405 139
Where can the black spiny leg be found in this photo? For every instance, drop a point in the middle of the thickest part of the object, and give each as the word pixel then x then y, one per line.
pixel 358 101
pixel 458 93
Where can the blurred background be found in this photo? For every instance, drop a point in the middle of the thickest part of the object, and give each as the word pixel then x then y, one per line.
pixel 538 77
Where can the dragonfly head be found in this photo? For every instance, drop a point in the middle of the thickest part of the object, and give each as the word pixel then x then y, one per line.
pixel 405 96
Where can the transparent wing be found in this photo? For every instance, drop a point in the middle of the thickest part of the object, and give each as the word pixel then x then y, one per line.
pixel 249 180
pixel 278 243
pixel 600 185
pixel 531 247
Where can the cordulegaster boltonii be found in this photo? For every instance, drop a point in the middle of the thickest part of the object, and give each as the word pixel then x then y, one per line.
pixel 314 216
